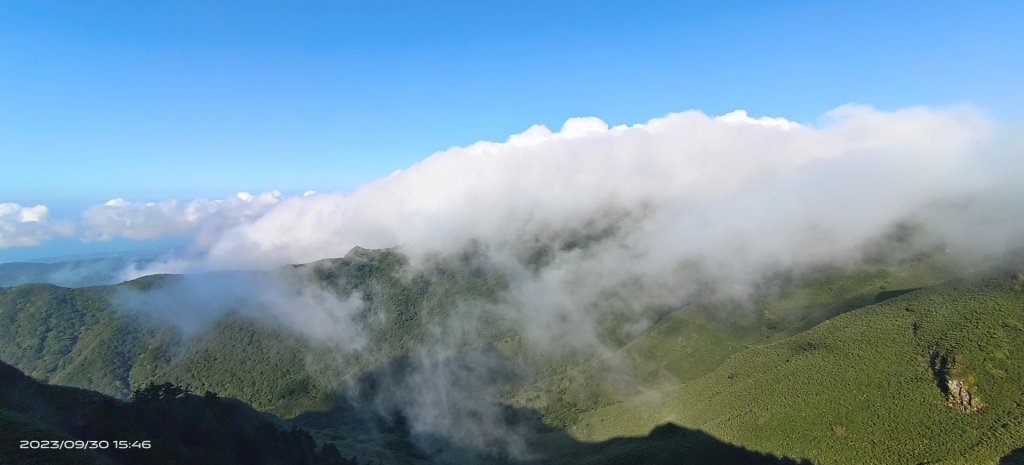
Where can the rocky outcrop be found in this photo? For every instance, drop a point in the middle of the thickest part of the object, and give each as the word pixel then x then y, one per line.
pixel 961 397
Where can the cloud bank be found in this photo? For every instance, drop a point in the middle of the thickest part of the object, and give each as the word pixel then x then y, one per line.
pixel 642 215
pixel 677 204
pixel 591 221
pixel 665 208
pixel 733 195
pixel 698 177
pixel 684 185
pixel 148 220
pixel 25 226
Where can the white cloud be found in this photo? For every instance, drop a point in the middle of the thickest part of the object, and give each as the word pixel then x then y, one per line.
pixel 741 117
pixel 689 183
pixel 148 220
pixel 677 203
pixel 735 196
pixel 24 226
pixel 634 216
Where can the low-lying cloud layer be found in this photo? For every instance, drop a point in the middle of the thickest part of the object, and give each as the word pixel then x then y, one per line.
pixel 678 204
pixel 25 226
pixel 148 220
pixel 588 221
pixel 682 186
pixel 762 185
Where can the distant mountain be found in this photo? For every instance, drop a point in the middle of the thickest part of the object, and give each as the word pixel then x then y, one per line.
pixel 70 273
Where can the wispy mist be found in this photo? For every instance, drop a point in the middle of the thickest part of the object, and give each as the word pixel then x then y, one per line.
pixel 591 222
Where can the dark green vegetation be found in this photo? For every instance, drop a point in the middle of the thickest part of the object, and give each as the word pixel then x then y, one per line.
pixel 912 359
pixel 74 337
pixel 164 425
pixel 78 337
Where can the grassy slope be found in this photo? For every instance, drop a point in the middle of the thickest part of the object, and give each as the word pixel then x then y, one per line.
pixel 859 388
pixel 696 339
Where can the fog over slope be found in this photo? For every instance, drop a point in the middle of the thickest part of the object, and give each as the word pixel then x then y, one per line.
pixel 678 202
pixel 592 218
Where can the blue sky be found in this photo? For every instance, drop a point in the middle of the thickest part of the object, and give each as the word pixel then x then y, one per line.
pixel 150 100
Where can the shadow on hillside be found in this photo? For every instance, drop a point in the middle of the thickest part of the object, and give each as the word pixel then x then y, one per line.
pixel 673 444
pixel 886 295
pixel 1015 457
pixel 666 444
pixel 42 424
pixel 371 425
pixel 185 428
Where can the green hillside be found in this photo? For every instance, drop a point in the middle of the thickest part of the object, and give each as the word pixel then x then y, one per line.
pixel 694 340
pixel 85 338
pixel 75 337
pixel 164 426
pixel 873 385
pixel 878 361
